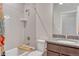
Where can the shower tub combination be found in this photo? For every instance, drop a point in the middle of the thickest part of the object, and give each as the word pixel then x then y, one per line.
pixel 25 50
pixel 16 52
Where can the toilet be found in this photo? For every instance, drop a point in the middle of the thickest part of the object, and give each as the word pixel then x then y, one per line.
pixel 41 45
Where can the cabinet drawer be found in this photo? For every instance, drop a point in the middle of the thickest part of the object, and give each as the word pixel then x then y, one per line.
pixel 49 53
pixel 53 47
pixel 69 51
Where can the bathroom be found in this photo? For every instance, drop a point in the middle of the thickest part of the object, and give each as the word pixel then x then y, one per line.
pixel 40 29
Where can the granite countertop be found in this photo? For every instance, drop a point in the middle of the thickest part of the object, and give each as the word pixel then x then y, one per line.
pixel 70 43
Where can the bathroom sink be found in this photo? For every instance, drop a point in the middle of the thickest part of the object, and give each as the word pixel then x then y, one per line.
pixel 64 41
pixel 67 41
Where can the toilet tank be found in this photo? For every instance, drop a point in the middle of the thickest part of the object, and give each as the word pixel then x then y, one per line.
pixel 41 45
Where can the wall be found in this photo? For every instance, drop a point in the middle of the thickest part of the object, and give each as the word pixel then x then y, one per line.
pixel 45 12
pixel 13 25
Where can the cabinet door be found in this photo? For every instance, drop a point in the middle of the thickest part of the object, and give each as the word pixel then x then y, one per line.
pixel 49 53
pixel 69 51
pixel 53 47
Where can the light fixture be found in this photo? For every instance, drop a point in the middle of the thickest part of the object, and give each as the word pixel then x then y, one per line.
pixel 60 3
pixel 24 20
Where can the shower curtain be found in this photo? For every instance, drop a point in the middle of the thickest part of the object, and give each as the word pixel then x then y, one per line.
pixel 2 51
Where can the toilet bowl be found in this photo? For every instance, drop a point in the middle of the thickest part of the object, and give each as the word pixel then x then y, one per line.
pixel 41 45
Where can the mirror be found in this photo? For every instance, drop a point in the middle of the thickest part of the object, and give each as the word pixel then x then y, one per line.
pixel 66 18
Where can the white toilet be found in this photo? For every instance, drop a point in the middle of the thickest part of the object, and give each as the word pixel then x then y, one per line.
pixel 41 45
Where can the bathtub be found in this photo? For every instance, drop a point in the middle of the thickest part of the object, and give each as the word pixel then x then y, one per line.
pixel 16 52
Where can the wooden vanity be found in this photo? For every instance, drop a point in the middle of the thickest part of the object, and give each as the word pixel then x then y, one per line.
pixel 54 49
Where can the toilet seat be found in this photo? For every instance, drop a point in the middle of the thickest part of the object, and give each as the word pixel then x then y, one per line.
pixel 35 53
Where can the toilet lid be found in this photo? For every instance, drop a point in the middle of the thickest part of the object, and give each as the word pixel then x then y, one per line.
pixel 35 53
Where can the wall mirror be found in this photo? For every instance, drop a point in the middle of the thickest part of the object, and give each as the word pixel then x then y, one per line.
pixel 66 18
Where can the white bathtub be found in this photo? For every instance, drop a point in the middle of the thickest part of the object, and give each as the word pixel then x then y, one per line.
pixel 16 52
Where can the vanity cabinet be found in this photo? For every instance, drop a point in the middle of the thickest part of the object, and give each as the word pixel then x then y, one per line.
pixel 61 50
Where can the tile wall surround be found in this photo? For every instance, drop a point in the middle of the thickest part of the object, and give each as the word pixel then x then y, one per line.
pixel 76 37
pixel 73 37
pixel 59 36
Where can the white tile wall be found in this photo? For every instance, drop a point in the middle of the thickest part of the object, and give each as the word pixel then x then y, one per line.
pixel 13 26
